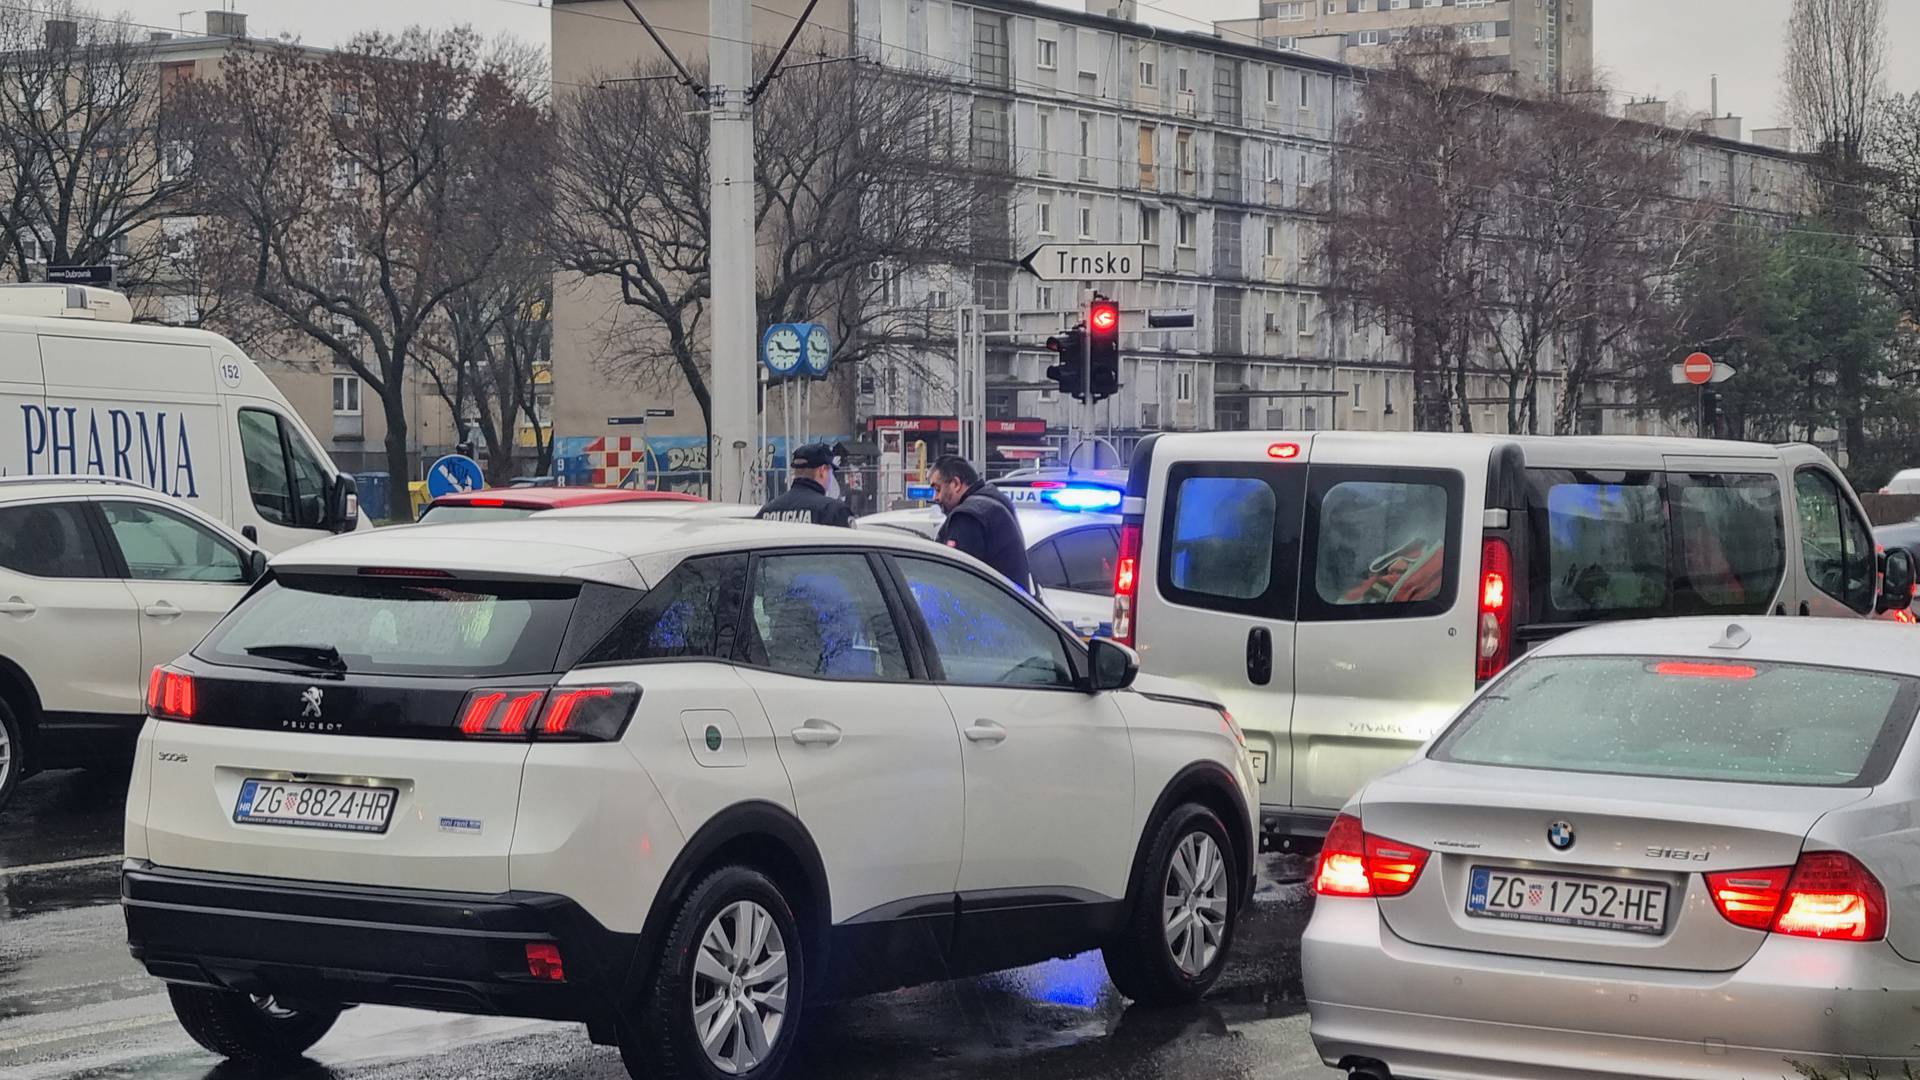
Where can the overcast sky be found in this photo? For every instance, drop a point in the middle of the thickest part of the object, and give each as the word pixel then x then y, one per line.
pixel 1666 48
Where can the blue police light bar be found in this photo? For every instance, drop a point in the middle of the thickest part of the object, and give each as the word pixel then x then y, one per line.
pixel 922 492
pixel 1083 498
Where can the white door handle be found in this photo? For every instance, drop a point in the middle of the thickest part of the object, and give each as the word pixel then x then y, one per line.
pixel 985 731
pixel 16 606
pixel 816 733
pixel 161 610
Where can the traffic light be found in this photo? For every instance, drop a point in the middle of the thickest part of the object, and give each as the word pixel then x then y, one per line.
pixel 1103 321
pixel 1070 372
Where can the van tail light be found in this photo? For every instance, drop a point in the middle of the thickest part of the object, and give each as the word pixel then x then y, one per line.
pixel 1827 894
pixel 1354 863
pixel 1126 582
pixel 170 694
pixel 1494 632
pixel 563 713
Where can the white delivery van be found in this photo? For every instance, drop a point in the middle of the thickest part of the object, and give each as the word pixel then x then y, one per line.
pixel 1346 592
pixel 85 391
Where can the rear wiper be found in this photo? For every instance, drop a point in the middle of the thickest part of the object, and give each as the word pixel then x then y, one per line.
pixel 324 657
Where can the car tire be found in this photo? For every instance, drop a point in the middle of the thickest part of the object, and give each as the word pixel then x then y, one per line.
pixel 246 1028
pixel 1186 900
pixel 703 986
pixel 13 751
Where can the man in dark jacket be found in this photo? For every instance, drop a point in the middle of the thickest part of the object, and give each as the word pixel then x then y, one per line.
pixel 807 500
pixel 980 519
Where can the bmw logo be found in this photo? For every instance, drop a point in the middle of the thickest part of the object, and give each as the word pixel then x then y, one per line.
pixel 1560 835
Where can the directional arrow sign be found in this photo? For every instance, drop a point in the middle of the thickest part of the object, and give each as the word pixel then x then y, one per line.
pixel 1700 375
pixel 1085 262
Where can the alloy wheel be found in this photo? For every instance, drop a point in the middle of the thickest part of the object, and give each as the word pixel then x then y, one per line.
pixel 1195 903
pixel 740 987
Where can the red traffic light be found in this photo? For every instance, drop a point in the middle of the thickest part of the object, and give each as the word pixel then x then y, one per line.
pixel 1104 317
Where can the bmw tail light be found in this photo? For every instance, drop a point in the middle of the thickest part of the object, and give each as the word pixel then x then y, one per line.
pixel 1126 582
pixel 1494 631
pixel 1827 894
pixel 1354 863
pixel 563 713
pixel 170 694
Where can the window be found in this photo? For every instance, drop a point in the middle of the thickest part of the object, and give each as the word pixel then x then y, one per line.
pixel 1188 231
pixel 1306 99
pixel 991 289
pixel 822 614
pixel 463 628
pixel 1333 7
pixel 1730 541
pixel 1043 215
pixel 346 103
pixel 1147 72
pixel 1183 157
pixel 1183 78
pixel 1047 53
pixel 1272 246
pixel 1149 225
pixel 1043 297
pixel 346 395
pixel 690 614
pixel 1086 147
pixel 1229 335
pixel 1367 37
pixel 1359 398
pixel 1622 715
pixel 1086 221
pixel 1043 136
pixel 287 481
pixel 1183 385
pixel 1226 89
pixel 992 132
pixel 176 238
pixel 1606 543
pixel 1149 171
pixel 1081 560
pixel 1290 10
pixel 1398 5
pixel 981 633
pixel 1303 312
pixel 1223 533
pixel 346 176
pixel 1378 540
pixel 160 545
pixel 176 161
pixel 1835 545
pixel 1473 31
pixel 990 53
pixel 1386 396
pixel 48 540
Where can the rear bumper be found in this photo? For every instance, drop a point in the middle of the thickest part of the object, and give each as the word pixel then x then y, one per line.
pixel 352 944
pixel 1446 1014
pixel 1285 828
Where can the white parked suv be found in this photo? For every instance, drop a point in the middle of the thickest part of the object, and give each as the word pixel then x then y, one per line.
pixel 678 779
pixel 100 580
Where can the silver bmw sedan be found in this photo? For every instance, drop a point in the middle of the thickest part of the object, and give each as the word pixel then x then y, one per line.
pixel 1680 848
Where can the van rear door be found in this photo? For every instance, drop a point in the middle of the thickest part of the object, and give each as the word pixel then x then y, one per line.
pixel 1219 568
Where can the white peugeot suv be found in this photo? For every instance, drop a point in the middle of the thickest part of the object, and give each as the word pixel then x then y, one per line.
pixel 676 779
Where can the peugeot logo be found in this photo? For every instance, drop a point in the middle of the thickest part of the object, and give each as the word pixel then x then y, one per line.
pixel 310 702
pixel 1560 835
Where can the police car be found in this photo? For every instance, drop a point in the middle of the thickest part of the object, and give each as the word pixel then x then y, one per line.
pixel 1072 528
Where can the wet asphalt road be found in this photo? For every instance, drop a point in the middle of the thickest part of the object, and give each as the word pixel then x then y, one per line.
pixel 74 1005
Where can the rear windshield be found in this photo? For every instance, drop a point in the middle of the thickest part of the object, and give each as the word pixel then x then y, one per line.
pixel 1689 719
pixel 456 514
pixel 463 628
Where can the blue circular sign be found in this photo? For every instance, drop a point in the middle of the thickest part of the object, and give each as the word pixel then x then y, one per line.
pixel 455 473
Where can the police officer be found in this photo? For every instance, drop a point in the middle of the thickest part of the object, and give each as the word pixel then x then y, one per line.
pixel 807 500
pixel 980 519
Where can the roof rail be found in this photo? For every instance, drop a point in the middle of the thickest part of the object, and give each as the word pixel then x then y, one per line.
pixel 75 478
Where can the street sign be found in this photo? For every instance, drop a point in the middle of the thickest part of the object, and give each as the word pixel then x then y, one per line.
pixel 1170 320
pixel 454 473
pixel 1085 262
pixel 1699 370
pixel 80 275
pixel 624 421
pixel 659 412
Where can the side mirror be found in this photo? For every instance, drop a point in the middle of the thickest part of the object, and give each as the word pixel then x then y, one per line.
pixel 343 503
pixel 1896 581
pixel 1114 665
pixel 254 566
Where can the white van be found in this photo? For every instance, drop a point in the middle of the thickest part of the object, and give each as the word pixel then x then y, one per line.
pixel 1346 592
pixel 84 391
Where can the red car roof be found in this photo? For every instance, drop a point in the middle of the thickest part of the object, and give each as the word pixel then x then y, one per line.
pixel 557 498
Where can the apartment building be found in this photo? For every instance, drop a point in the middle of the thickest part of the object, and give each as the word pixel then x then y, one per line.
pixel 1212 151
pixel 1546 44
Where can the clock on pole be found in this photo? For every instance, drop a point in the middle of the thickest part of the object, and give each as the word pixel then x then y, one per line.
pixel 782 349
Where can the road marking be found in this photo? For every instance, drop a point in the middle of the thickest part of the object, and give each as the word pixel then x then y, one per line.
pixel 64 864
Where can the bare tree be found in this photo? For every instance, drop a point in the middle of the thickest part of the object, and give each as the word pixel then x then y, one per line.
pixel 860 181
pixel 93 154
pixel 367 183
pixel 1418 199
pixel 488 358
pixel 1835 74
pixel 1891 246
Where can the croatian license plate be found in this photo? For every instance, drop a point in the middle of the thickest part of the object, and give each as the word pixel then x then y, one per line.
pixel 307 805
pixel 1597 903
pixel 1259 759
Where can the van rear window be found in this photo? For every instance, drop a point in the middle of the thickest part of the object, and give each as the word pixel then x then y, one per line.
pixel 401 627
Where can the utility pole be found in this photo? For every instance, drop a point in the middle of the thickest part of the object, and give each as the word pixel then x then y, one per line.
pixel 733 260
